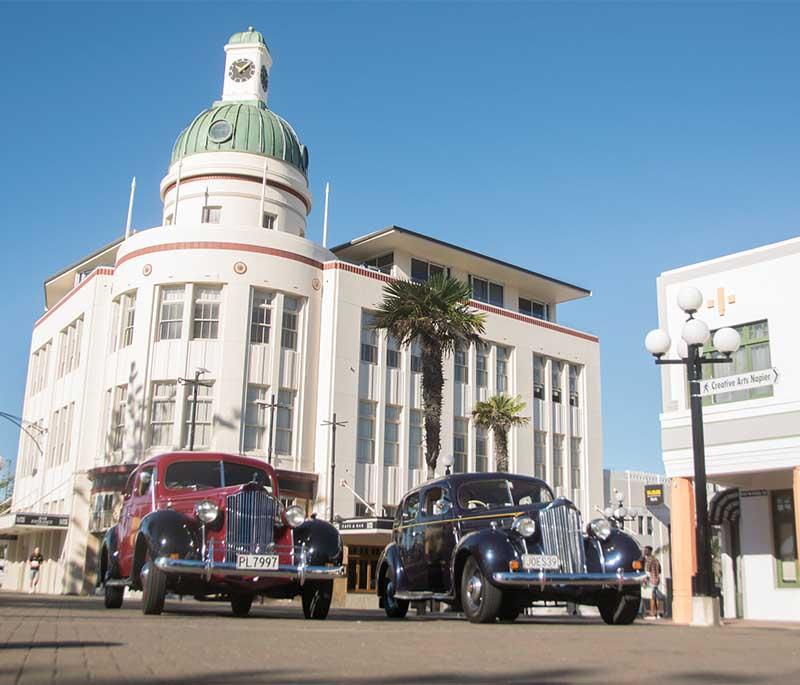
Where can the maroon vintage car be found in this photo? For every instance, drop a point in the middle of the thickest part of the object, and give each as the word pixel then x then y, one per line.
pixel 213 525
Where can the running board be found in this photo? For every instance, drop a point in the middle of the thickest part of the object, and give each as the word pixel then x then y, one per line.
pixel 118 582
pixel 420 596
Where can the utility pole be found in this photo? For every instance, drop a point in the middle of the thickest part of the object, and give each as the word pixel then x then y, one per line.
pixel 194 383
pixel 333 423
pixel 272 405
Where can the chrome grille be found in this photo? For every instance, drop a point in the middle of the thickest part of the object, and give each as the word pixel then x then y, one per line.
pixel 248 523
pixel 562 535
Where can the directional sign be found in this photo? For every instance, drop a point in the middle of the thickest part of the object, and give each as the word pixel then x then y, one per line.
pixel 742 381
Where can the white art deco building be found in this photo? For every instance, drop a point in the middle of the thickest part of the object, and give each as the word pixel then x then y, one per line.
pixel 231 285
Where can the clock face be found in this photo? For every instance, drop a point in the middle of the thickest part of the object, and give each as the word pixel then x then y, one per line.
pixel 264 77
pixel 241 70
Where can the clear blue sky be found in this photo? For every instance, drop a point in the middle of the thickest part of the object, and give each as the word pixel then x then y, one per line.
pixel 599 143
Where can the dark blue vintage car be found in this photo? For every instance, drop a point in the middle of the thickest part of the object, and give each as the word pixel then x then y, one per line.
pixel 491 544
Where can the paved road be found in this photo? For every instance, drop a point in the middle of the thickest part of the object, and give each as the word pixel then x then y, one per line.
pixel 75 640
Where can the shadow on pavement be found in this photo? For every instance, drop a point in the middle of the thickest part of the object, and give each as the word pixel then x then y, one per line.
pixel 65 644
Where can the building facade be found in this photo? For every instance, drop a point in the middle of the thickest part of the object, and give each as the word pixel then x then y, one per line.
pixel 752 431
pixel 229 290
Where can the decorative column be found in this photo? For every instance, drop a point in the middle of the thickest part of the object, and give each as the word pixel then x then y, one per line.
pixel 683 548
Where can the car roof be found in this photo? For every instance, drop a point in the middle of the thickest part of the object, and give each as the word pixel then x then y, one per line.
pixel 172 457
pixel 456 479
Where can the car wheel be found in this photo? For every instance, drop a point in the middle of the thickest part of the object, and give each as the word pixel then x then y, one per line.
pixel 619 608
pixel 240 605
pixel 317 597
pixel 154 587
pixel 394 608
pixel 509 611
pixel 113 596
pixel 480 599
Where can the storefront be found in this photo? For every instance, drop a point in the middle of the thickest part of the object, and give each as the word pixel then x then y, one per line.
pixel 364 540
pixel 21 533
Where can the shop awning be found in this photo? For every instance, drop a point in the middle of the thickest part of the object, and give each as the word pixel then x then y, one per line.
pixel 724 506
pixel 19 523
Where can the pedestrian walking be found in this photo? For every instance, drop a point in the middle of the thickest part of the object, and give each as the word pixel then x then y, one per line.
pixel 34 566
pixel 652 568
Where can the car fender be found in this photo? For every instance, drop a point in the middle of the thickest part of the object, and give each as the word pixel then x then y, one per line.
pixel 620 550
pixel 109 557
pixel 491 548
pixel 389 564
pixel 166 532
pixel 322 542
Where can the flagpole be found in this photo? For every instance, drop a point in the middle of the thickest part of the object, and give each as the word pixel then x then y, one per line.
pixel 325 217
pixel 130 209
pixel 263 194
pixel 177 192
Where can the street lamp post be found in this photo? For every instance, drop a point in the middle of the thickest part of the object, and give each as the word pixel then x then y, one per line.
pixel 447 461
pixel 194 383
pixel 695 334
pixel 272 405
pixel 334 424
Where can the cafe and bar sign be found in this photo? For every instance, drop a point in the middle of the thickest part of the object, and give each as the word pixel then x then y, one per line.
pixel 365 524
pixel 41 520
pixel 654 494
pixel 741 381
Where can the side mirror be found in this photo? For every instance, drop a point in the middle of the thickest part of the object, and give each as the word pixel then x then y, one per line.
pixel 442 506
pixel 145 477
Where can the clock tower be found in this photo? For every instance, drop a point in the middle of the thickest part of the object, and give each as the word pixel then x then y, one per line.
pixel 247 65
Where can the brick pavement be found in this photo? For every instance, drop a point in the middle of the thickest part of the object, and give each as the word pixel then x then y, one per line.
pixel 46 639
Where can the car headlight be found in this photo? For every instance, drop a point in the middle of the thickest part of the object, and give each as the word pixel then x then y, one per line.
pixel 599 528
pixel 524 526
pixel 294 516
pixel 206 511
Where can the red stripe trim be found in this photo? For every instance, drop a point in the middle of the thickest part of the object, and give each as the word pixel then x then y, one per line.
pixel 99 271
pixel 241 177
pixel 211 245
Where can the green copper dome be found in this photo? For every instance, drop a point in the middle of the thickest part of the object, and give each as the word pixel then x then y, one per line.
pixel 249 36
pixel 250 127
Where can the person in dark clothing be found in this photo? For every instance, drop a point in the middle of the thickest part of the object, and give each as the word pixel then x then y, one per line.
pixel 34 567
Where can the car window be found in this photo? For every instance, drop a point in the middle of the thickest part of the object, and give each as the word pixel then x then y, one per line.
pixel 144 482
pixel 239 474
pixel 411 507
pixel 193 475
pixel 437 501
pixel 502 492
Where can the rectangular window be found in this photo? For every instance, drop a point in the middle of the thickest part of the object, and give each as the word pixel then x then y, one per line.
pixel 415 439
pixel 369 339
pixel 284 422
pixel 537 310
pixel 486 291
pixel 393 355
pixel 574 385
pixel 162 414
pixel 365 450
pixel 204 417
pixel 40 366
pixel 127 318
pixel 291 308
pixel 261 317
pixel 211 215
pixel 68 414
pixel 170 325
pixel 649 525
pixel 555 371
pixel 384 263
pixel 558 461
pixel 752 355
pixel 481 367
pixel 118 412
pixel 503 355
pixel 422 271
pixel 255 418
pixel 481 449
pixel 391 436
pixel 53 439
pixel 268 220
pixel 539 370
pixel 69 351
pixel 460 437
pixel 461 367
pixel 539 455
pixel 168 220
pixel 206 312
pixel 416 358
pixel 575 461
pixel 784 536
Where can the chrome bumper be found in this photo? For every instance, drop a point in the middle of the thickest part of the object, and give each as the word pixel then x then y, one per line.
pixel 543 579
pixel 207 569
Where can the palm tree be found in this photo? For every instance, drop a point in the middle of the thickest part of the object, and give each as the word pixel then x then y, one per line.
pixel 498 414
pixel 437 315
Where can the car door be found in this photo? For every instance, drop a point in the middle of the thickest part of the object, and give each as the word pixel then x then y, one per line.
pixel 411 544
pixel 136 506
pixel 436 515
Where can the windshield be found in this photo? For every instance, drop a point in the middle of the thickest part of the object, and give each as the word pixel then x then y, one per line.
pixel 502 492
pixel 202 475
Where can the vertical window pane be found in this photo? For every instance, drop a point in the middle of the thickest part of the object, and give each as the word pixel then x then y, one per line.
pixel 284 422
pixel 555 371
pixel 558 461
pixel 255 418
pixel 415 439
pixel 128 318
pixel 575 462
pixel 291 307
pixel 162 414
pixel 261 317
pixel 391 436
pixel 539 455
pixel 369 339
pixel 204 414
pixel 365 450
pixel 393 355
pixel 460 436
pixel 206 312
pixel 503 354
pixel 481 449
pixel 171 313
pixel 481 367
pixel 211 215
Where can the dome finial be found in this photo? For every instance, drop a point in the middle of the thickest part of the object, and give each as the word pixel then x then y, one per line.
pixel 250 28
